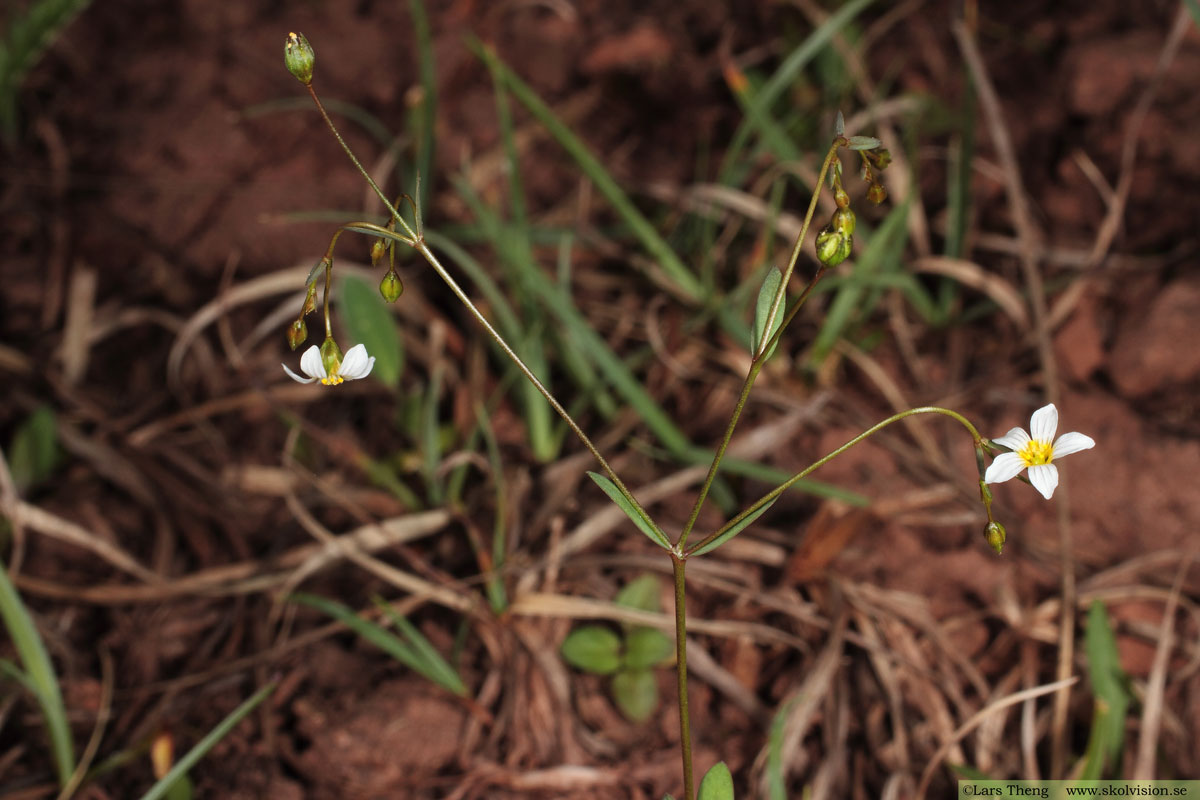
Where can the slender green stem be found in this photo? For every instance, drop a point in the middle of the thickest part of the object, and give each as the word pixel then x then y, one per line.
pixel 685 726
pixel 421 247
pixel 783 487
pixel 763 349
pixel 362 170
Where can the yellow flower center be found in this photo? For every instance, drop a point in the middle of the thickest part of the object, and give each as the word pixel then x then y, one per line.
pixel 1036 453
pixel 332 380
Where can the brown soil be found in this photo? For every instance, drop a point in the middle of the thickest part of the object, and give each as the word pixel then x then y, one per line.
pixel 150 180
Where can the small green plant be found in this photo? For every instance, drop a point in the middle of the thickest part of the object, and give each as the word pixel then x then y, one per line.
pixel 629 657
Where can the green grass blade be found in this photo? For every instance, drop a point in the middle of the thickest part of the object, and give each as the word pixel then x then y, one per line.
pixel 39 673
pixel 437 668
pixel 644 524
pixel 201 749
pixel 683 278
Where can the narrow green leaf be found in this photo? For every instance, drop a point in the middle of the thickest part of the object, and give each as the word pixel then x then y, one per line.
pixel 762 308
pixel 717 783
pixel 647 647
pixel 408 654
pixel 1109 683
pixel 644 525
pixel 636 693
pixel 39 675
pixel 640 593
pixel 34 449
pixel 776 781
pixel 436 667
pixel 367 319
pixel 733 531
pixel 593 648
pixel 185 764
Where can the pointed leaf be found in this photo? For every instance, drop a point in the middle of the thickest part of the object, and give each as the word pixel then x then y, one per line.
pixel 636 693
pixel 593 648
pixel 367 320
pixel 717 783
pixel 839 127
pixel 733 531
pixel 644 525
pixel 762 307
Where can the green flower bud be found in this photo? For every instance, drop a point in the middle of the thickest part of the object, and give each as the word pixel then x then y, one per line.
pixel 876 193
pixel 833 247
pixel 839 196
pixel 298 55
pixel 391 286
pixel 880 157
pixel 297 334
pixel 843 222
pixel 331 356
pixel 996 536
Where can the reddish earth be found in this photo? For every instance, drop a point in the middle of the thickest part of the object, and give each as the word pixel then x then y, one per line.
pixel 156 169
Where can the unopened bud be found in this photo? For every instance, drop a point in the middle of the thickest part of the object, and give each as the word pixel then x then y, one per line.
pixel 876 193
pixel 331 356
pixel 880 157
pixel 391 287
pixel 840 197
pixel 299 57
pixel 377 250
pixel 843 221
pixel 297 334
pixel 833 247
pixel 996 536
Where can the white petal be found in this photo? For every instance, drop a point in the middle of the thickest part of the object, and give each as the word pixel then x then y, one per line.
pixel 311 364
pixel 294 376
pixel 1006 467
pixel 1044 478
pixel 1015 439
pixel 1043 424
pixel 1072 443
pixel 356 364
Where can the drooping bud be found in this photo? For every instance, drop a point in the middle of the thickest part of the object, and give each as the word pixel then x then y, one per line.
pixel 996 536
pixel 876 193
pixel 297 334
pixel 331 356
pixel 377 250
pixel 299 57
pixel 391 287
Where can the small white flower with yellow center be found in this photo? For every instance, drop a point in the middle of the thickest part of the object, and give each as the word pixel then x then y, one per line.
pixel 1036 450
pixel 355 365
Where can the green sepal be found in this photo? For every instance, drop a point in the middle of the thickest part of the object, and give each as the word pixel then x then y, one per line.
pixel 644 525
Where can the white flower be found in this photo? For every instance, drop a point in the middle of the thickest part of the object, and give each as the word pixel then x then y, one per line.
pixel 1037 450
pixel 355 365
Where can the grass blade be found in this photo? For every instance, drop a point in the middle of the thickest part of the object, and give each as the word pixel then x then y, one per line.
pixel 185 764
pixel 437 668
pixel 39 675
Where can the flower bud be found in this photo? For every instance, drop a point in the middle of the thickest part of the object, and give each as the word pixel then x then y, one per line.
pixel 996 536
pixel 880 157
pixel 391 286
pixel 840 197
pixel 833 247
pixel 843 222
pixel 297 334
pixel 876 193
pixel 298 55
pixel 377 250
pixel 331 356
